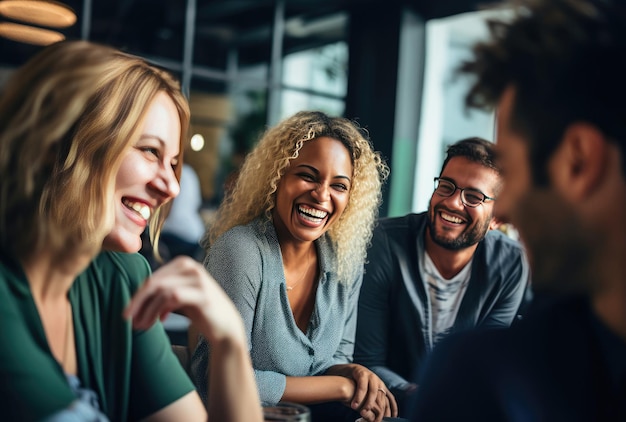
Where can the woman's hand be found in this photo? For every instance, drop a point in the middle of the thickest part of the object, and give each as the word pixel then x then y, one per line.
pixel 371 398
pixel 184 285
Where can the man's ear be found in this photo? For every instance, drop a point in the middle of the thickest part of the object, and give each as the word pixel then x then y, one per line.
pixel 579 163
pixel 495 223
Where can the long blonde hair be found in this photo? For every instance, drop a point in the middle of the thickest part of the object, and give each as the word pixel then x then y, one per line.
pixel 255 189
pixel 66 118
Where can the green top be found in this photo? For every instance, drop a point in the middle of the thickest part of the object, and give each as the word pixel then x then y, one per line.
pixel 133 373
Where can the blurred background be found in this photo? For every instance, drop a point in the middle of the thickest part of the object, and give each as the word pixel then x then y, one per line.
pixel 245 64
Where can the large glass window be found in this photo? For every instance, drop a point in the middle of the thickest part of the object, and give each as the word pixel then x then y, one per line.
pixel 444 117
pixel 243 64
pixel 308 52
pixel 315 79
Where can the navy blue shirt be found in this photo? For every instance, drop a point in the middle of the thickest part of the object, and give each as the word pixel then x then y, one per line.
pixel 560 364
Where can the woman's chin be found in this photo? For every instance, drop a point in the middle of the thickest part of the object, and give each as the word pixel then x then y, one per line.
pixel 120 243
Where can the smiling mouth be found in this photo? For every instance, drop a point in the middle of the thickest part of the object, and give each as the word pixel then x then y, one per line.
pixel 142 210
pixel 311 214
pixel 450 218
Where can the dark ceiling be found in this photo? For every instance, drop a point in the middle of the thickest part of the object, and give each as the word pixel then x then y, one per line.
pixel 157 27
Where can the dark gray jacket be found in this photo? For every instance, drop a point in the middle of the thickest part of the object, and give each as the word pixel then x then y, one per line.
pixel 393 329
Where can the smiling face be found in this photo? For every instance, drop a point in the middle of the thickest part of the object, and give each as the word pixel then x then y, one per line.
pixel 313 192
pixel 453 225
pixel 146 178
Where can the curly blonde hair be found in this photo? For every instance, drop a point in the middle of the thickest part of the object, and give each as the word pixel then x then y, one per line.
pixel 66 119
pixel 254 194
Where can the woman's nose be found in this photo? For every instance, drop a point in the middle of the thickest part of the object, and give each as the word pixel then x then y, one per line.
pixel 167 183
pixel 321 193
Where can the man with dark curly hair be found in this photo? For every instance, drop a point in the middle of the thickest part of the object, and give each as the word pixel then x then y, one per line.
pixel 555 74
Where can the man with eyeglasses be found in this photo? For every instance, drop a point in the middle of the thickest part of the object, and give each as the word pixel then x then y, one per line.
pixel 440 271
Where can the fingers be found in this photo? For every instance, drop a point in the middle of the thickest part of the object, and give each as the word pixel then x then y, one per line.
pixel 376 404
pixel 381 408
pixel 169 288
pixel 184 285
pixel 383 402
pixel 374 396
pixel 362 396
pixel 148 312
pixel 393 404
pixel 371 398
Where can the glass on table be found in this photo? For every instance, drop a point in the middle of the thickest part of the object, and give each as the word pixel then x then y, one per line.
pixel 286 411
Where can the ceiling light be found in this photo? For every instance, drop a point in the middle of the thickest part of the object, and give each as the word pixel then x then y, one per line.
pixel 29 34
pixel 197 142
pixel 39 12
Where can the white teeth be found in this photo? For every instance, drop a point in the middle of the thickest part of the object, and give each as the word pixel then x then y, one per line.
pixel 312 212
pixel 145 212
pixel 142 209
pixel 451 218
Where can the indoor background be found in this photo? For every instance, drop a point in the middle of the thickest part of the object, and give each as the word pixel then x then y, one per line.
pixel 245 64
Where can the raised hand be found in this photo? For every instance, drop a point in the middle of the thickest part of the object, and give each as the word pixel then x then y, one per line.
pixel 185 286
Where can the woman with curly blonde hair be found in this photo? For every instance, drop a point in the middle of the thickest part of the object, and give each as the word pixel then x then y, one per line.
pixel 288 246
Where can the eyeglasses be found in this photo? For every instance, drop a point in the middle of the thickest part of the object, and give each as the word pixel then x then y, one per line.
pixel 470 197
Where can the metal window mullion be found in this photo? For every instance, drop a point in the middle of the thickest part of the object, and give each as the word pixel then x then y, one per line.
pixel 275 71
pixel 190 30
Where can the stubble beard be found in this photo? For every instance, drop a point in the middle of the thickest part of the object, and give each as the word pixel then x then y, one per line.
pixel 560 249
pixel 469 237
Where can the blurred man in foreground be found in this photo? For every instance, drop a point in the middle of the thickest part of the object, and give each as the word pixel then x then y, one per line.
pixel 556 76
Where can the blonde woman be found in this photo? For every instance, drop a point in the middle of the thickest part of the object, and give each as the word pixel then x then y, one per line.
pixel 288 246
pixel 90 154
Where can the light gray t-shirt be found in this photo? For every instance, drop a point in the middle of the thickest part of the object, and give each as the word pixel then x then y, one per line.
pixel 445 296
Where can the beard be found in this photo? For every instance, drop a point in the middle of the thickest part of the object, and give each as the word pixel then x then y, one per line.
pixel 561 250
pixel 474 232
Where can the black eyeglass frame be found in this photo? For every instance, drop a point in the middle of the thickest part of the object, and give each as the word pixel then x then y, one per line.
pixel 438 181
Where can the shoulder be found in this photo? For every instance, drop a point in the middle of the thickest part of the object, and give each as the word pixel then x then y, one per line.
pixel 405 222
pixel 501 253
pixel 399 229
pixel 130 268
pixel 499 243
pixel 476 354
pixel 551 326
pixel 243 239
pixel 244 247
pixel 14 292
pixel 532 362
pixel 542 340
pixel 11 275
pixel 254 231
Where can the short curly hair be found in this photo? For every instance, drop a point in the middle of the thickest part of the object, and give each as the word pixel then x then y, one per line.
pixel 565 60
pixel 255 189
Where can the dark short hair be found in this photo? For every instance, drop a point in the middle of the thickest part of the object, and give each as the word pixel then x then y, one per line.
pixel 566 61
pixel 475 149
